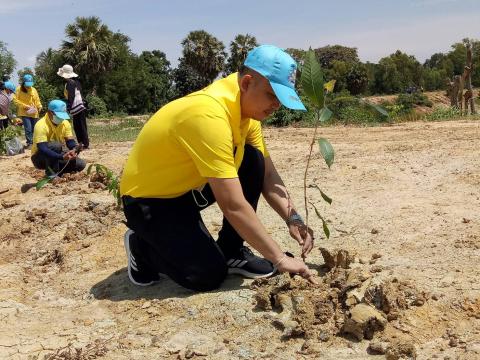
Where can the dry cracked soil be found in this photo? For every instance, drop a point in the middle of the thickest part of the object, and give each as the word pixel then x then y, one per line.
pixel 398 278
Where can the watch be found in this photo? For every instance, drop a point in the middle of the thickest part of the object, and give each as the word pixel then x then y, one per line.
pixel 294 218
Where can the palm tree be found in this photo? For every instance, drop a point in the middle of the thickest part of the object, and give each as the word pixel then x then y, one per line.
pixel 239 49
pixel 89 47
pixel 204 53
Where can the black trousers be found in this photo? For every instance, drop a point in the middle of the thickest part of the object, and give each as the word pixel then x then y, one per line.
pixel 53 165
pixel 171 238
pixel 4 123
pixel 80 127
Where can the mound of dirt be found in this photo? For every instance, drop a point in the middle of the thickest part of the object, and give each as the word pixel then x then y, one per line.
pixel 352 302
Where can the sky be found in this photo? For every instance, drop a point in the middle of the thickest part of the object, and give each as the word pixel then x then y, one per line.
pixel 376 28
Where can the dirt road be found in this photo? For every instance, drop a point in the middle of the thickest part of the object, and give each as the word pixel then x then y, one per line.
pixel 408 193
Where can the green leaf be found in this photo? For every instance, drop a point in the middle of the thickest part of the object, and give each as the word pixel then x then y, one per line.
pixel 325 114
pixel 380 109
pixel 326 149
pixel 89 169
pixel 312 79
pixel 324 196
pixel 326 230
pixel 42 182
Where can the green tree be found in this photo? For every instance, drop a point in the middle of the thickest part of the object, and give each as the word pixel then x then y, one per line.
pixel 89 47
pixel 297 54
pixel 397 72
pixel 205 54
pixel 46 67
pixel 327 54
pixel 239 49
pixel 7 62
pixel 186 80
pixel 357 78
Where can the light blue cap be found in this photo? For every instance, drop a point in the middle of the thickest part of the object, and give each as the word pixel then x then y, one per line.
pixel 59 108
pixel 280 70
pixel 10 86
pixel 28 80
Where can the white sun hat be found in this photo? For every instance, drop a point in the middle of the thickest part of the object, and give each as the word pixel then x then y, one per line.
pixel 66 71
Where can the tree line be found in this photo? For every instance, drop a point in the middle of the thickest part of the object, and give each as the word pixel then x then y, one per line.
pixel 118 80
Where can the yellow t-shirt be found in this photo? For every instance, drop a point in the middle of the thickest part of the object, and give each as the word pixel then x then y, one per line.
pixel 29 98
pixel 46 131
pixel 189 140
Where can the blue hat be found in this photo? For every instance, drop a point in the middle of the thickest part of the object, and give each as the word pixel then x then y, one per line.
pixel 28 80
pixel 59 108
pixel 280 69
pixel 9 85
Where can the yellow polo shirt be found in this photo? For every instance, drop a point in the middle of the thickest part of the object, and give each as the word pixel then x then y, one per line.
pixel 46 131
pixel 189 140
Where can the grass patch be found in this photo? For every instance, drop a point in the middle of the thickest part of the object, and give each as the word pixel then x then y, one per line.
pixel 115 130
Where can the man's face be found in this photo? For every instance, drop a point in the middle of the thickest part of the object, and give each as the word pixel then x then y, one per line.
pixel 258 101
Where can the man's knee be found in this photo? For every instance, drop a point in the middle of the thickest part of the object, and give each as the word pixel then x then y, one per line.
pixel 206 279
pixel 80 164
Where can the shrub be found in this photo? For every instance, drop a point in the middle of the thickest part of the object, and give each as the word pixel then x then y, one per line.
pixel 341 102
pixel 442 113
pixel 96 106
pixel 358 114
pixel 408 101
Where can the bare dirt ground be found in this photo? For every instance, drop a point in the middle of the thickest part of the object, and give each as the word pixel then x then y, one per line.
pixel 405 214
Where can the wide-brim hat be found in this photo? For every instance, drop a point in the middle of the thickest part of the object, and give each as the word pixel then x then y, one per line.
pixel 66 71
pixel 280 69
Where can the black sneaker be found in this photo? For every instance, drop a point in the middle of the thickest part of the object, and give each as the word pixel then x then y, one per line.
pixel 250 265
pixel 137 275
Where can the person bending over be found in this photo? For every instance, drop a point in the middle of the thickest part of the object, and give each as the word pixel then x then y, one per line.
pixel 205 147
pixel 54 149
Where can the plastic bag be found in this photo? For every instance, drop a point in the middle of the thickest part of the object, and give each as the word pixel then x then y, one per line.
pixel 31 110
pixel 14 147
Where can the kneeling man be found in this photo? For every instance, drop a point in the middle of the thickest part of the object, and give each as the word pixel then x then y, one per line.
pixel 52 137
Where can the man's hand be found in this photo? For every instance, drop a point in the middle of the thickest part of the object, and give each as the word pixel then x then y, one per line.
pixel 70 155
pixel 295 266
pixel 298 231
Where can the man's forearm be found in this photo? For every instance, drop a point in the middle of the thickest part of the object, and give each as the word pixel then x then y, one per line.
pixel 245 221
pixel 277 196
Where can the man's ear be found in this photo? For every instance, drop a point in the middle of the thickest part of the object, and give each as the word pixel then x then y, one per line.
pixel 245 82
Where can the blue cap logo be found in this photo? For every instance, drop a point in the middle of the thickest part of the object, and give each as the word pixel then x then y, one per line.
pixel 280 70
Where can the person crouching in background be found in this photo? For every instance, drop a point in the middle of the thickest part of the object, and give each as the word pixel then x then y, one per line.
pixel 75 104
pixel 51 134
pixel 28 106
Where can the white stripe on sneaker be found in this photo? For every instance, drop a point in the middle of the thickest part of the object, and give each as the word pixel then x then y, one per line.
pixel 235 263
pixel 229 262
pixel 242 263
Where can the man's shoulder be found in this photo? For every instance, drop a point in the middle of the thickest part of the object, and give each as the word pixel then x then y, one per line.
pixel 41 124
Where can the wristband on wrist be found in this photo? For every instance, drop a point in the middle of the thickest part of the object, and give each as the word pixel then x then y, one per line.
pixel 294 218
pixel 280 261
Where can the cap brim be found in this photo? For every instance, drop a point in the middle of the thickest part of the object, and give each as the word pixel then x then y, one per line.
pixel 62 115
pixel 287 96
pixel 29 83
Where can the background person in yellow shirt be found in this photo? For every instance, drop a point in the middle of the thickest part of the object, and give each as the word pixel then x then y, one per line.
pixel 51 134
pixel 28 106
pixel 207 147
